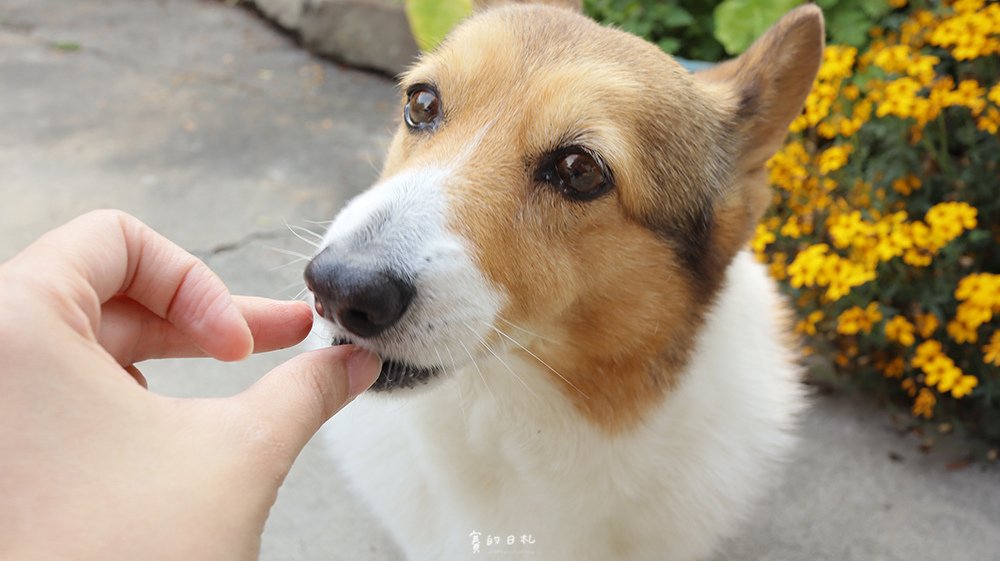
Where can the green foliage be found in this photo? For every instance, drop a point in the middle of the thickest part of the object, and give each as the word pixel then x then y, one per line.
pixel 848 21
pixel 680 27
pixel 739 22
pixel 692 29
pixel 65 46
pixel 431 20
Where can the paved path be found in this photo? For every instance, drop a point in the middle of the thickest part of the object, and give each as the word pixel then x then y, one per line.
pixel 216 130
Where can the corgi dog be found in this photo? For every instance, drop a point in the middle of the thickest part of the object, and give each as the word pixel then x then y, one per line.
pixel 581 361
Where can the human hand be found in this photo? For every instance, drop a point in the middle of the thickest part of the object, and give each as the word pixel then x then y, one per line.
pixel 93 466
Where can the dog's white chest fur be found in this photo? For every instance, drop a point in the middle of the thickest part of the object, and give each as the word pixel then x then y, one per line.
pixel 488 454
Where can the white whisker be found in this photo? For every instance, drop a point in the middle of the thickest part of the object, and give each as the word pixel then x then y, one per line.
pixel 536 357
pixel 300 236
pixel 316 235
pixel 454 363
pixel 485 383
pixel 289 264
pixel 288 287
pixel 509 369
pixel 535 335
pixel 288 252
pixel 458 388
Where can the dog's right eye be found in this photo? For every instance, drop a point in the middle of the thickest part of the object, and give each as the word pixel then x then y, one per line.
pixel 423 108
pixel 577 173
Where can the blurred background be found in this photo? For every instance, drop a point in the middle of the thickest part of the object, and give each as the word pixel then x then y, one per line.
pixel 234 129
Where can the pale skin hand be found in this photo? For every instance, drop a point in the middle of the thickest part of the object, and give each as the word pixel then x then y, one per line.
pixel 92 465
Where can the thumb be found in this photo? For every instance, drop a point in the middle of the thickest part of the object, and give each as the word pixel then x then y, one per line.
pixel 297 397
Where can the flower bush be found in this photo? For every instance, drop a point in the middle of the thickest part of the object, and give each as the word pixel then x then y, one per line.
pixel 886 220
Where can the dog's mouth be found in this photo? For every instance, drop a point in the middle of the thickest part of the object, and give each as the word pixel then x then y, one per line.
pixel 396 374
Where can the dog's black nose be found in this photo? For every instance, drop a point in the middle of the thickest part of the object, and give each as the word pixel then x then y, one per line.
pixel 364 298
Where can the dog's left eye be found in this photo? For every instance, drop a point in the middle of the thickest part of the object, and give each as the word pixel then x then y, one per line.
pixel 423 108
pixel 576 173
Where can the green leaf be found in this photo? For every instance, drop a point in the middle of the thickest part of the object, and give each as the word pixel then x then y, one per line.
pixel 65 46
pixel 849 26
pixel 979 235
pixel 875 10
pixel 431 20
pixel 677 17
pixel 669 44
pixel 739 22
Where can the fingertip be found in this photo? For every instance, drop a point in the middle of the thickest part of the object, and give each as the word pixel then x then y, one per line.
pixel 302 317
pixel 348 368
pixel 241 342
pixel 275 324
pixel 363 368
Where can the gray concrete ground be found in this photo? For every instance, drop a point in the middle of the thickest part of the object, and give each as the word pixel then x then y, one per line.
pixel 216 130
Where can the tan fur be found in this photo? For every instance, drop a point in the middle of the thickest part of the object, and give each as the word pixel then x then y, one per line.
pixel 618 285
pixel 768 85
pixel 575 5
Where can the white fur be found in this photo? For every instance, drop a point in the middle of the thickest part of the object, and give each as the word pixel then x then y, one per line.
pixel 400 223
pixel 484 451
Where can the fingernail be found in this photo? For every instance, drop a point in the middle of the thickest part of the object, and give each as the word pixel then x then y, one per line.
pixel 363 368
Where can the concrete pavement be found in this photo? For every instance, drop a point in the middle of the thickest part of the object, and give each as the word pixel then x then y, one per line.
pixel 216 130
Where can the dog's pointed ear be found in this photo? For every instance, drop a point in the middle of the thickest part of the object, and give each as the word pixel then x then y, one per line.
pixel 761 92
pixel 575 5
pixel 768 84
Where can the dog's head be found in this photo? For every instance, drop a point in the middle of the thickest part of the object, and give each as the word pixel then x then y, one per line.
pixel 563 190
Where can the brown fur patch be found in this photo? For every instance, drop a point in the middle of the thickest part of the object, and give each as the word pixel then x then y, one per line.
pixel 618 285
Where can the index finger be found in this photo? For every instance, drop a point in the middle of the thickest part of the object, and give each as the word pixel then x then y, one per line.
pixel 107 253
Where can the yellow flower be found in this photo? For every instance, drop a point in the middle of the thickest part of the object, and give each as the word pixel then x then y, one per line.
pixel 854 319
pixel 968 94
pixel 991 351
pixel 844 229
pixel 927 324
pixel 983 289
pixel 923 406
pixel 900 330
pixel 967 6
pixel 900 59
pixel 963 386
pixel 909 386
pixel 979 299
pixel 971 32
pixel 940 370
pixel 786 169
pixel 777 267
pixel 833 158
pixel 962 333
pixel 946 222
pixel 808 325
pixel 994 94
pixel 902 100
pixel 762 237
pixel 950 374
pixel 925 351
pixel 906 185
pixel 838 62
pixel 989 121
pixel 850 321
pixel 794 228
pixel 894 368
